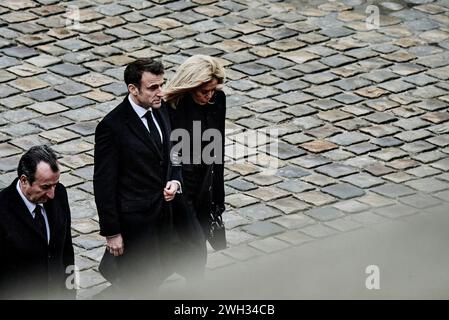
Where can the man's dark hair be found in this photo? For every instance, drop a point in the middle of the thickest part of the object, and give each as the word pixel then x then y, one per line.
pixel 134 70
pixel 29 161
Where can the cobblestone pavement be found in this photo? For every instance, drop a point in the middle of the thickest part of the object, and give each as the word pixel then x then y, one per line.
pixel 360 109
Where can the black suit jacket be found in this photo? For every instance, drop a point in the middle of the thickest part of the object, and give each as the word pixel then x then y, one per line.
pixel 29 268
pixel 130 171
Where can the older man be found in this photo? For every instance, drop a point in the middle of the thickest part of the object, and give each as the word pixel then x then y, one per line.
pixel 36 253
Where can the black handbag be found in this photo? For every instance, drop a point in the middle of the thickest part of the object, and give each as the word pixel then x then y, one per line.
pixel 217 231
pixel 216 234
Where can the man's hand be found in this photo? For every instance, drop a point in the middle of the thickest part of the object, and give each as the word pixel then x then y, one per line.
pixel 115 245
pixel 170 190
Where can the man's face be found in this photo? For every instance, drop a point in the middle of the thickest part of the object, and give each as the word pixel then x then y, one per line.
pixel 150 92
pixel 203 94
pixel 43 187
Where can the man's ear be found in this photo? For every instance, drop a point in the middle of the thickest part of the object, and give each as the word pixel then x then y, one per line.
pixel 23 179
pixel 132 88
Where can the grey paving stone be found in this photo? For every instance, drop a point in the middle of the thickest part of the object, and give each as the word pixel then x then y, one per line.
pixel 336 32
pixel 233 220
pixel 396 211
pixel 428 185
pixel 363 180
pixel 380 117
pixel 428 157
pixel 283 150
pixel 263 179
pixel 343 224
pixel 423 171
pixel 336 170
pixel 348 138
pixel 411 123
pixel 362 148
pixel 320 78
pixel 396 86
pixel 294 186
pixel 237 237
pixel 275 62
pixel 51 122
pixel 20 52
pixel 343 191
pixel 293 237
pixel 269 245
pixel 251 69
pixel 347 98
pixel 290 171
pixel 428 92
pixel 112 9
pixel 288 74
pixel 324 213
pixel 263 228
pixel 389 154
pixel 242 252
pixel 44 95
pixel 17 116
pixel 351 83
pixel 421 201
pixel 311 67
pixel 289 205
pixel 240 200
pixel 336 60
pixel 351 206
pixel 117 89
pixel 17 130
pixel 318 231
pixel 293 221
pixel 368 218
pixel 393 190
pixel 387 142
pixel 442 164
pixel 381 130
pixel 420 79
pixel 68 69
pixel 324 104
pixel 380 75
pixel 6 91
pixel 259 212
pixel 417 147
pixel 322 91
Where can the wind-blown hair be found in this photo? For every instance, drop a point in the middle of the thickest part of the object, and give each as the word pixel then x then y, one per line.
pixel 194 72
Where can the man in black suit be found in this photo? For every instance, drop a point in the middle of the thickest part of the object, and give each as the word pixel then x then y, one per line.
pixel 134 182
pixel 36 253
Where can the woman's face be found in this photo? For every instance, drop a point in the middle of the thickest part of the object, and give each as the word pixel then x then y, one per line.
pixel 204 93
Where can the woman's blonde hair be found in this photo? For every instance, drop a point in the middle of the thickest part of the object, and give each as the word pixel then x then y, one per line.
pixel 194 72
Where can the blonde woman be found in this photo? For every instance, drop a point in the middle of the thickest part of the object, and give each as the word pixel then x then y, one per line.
pixel 196 104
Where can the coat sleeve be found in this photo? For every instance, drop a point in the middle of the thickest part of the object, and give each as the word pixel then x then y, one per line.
pixel 176 169
pixel 106 168
pixel 69 258
pixel 68 254
pixel 219 193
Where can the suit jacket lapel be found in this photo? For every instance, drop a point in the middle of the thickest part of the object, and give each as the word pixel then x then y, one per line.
pixel 136 125
pixel 165 129
pixel 23 214
pixel 53 220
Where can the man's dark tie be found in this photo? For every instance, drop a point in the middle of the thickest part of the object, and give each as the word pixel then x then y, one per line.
pixel 153 130
pixel 40 221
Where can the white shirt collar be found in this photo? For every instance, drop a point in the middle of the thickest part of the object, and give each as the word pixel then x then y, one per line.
pixel 138 109
pixel 31 206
